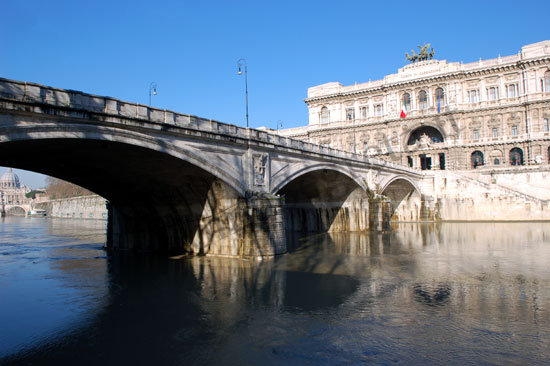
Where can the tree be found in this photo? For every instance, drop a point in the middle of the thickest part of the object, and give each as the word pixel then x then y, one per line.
pixel 58 188
pixel 32 194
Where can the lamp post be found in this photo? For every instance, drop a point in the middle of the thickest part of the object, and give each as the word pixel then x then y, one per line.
pixel 240 63
pixel 152 90
pixel 279 125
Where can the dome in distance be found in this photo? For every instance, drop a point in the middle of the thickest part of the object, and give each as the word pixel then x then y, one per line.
pixel 10 180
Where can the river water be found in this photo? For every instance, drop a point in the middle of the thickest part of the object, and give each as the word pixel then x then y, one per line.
pixel 453 293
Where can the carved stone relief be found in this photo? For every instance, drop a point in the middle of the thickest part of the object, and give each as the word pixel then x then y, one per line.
pixel 260 167
pixel 394 138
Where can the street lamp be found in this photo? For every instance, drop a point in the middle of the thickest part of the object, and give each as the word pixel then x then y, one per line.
pixel 279 125
pixel 240 63
pixel 152 90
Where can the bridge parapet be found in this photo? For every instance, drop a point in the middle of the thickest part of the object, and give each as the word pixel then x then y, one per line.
pixel 33 93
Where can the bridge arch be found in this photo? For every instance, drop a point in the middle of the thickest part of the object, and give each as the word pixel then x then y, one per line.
pixel 163 195
pixel 15 211
pixel 324 197
pixel 181 151
pixel 293 172
pixel 405 197
pixel 397 179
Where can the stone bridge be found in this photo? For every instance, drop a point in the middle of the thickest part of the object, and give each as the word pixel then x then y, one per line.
pixel 14 209
pixel 180 183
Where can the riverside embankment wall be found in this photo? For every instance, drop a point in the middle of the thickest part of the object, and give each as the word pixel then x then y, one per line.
pixel 84 207
pixel 470 196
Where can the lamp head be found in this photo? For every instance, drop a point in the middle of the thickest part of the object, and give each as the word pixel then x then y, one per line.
pixel 240 72
pixel 155 91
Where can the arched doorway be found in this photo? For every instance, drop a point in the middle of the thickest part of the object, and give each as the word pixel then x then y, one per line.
pixel 424 138
pixel 477 159
pixel 516 156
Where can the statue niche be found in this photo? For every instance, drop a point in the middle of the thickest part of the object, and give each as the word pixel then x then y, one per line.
pixel 424 137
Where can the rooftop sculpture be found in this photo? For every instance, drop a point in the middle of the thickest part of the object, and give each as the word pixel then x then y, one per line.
pixel 422 55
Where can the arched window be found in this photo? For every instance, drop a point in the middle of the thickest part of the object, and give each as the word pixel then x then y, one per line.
pixel 477 159
pixel 407 102
pixel 496 161
pixel 423 100
pixel 516 156
pixel 324 115
pixel 439 98
pixel 547 81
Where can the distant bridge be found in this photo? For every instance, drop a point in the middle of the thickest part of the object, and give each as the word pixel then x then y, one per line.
pixel 177 182
pixel 15 209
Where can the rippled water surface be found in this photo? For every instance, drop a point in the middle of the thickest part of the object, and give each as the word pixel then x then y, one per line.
pixel 425 294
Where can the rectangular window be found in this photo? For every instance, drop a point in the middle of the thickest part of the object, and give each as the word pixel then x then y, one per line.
pixel 473 96
pixel 379 110
pixel 511 91
pixel 492 93
pixel 514 131
pixel 476 134
pixel 365 146
pixel 350 114
pixel 351 148
pixel 364 111
pixel 495 132
pixel 546 125
pixel 410 161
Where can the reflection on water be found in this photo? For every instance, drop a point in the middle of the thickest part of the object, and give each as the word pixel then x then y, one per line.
pixel 437 294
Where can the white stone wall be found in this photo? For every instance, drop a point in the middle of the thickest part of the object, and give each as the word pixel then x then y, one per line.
pixel 86 207
pixel 460 197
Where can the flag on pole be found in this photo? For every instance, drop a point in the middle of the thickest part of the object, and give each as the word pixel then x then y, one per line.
pixel 403 114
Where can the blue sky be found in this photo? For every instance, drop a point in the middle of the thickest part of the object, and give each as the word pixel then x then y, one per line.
pixel 190 48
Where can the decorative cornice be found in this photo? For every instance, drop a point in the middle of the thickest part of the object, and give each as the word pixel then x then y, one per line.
pixel 520 64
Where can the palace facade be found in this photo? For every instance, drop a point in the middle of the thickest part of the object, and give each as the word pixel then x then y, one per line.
pixel 435 114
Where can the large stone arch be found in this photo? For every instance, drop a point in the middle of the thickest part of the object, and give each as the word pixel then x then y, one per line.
pixel 324 198
pixel 162 195
pixel 405 197
pixel 294 171
pixel 182 150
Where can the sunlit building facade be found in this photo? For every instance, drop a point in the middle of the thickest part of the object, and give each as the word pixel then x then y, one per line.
pixel 435 114
pixel 12 191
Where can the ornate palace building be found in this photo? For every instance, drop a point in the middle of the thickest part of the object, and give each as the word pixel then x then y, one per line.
pixel 435 114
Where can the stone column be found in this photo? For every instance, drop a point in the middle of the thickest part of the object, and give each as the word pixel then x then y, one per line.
pixel 223 226
pixel 264 232
pixel 427 208
pixel 379 214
